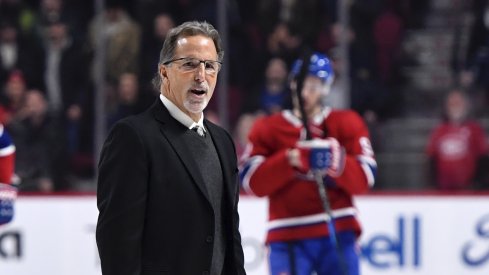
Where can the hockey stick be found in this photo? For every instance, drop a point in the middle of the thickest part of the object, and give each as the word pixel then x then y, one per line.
pixel 323 194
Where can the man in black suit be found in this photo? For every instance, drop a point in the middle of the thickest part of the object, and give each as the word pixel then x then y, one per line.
pixel 168 195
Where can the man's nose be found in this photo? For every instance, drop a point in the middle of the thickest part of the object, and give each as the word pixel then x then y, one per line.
pixel 200 72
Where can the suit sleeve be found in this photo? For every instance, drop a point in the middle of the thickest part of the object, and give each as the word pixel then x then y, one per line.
pixel 121 200
pixel 238 248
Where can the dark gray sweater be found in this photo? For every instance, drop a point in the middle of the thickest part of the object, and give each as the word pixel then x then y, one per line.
pixel 205 154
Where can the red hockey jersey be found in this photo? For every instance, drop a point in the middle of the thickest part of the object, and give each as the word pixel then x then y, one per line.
pixel 456 149
pixel 8 193
pixel 295 208
pixel 7 152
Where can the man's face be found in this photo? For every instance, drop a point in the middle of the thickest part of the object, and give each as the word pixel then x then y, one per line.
pixel 456 107
pixel 162 25
pixel 57 32
pixel 276 71
pixel 35 103
pixel 190 90
pixel 312 92
pixel 128 88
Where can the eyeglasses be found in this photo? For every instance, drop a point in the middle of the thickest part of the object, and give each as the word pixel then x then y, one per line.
pixel 190 64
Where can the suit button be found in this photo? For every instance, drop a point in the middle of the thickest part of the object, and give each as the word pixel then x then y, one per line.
pixel 205 273
pixel 209 239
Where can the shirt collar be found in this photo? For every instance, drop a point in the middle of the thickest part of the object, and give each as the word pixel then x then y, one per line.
pixel 316 119
pixel 180 116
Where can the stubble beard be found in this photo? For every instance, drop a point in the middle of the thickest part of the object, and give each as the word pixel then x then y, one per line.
pixel 195 106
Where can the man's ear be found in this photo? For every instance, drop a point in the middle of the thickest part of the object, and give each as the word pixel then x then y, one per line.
pixel 163 71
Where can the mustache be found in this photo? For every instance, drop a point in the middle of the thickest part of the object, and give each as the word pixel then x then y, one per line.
pixel 203 87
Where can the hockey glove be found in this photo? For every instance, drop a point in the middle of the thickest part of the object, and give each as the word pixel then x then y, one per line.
pixel 324 155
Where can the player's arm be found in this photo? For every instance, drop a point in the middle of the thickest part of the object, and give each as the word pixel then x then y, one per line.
pixel 360 167
pixel 121 200
pixel 7 155
pixel 8 193
pixel 264 171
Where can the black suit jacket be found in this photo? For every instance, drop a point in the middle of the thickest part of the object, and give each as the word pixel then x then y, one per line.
pixel 155 215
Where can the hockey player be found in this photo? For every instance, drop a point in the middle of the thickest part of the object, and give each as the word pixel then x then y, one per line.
pixel 277 165
pixel 8 193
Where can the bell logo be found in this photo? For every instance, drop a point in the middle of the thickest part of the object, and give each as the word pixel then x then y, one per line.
pixel 384 251
pixel 476 253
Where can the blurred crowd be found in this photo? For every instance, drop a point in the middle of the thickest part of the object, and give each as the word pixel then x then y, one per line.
pixel 48 73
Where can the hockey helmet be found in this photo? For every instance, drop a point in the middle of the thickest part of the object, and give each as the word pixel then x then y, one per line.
pixel 319 66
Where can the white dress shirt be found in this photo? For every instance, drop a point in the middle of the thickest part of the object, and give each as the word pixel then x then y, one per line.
pixel 180 116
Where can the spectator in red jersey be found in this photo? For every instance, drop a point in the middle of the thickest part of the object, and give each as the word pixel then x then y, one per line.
pixel 457 147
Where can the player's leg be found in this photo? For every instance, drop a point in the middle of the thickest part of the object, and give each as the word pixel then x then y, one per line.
pixel 330 263
pixel 288 258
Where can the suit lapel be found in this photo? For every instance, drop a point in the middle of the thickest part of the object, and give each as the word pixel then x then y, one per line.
pixel 172 130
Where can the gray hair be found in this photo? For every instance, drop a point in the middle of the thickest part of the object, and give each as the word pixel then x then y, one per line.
pixel 190 28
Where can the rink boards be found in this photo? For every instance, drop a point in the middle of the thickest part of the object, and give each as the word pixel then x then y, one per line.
pixel 418 234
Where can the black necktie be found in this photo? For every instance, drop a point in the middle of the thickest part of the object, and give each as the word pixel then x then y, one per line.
pixel 199 130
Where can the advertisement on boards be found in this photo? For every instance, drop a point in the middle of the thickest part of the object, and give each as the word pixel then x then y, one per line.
pixel 403 235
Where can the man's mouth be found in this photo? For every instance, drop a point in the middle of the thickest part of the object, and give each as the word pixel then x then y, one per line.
pixel 198 91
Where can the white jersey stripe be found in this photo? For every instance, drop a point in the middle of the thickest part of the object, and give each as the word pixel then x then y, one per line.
pixel 7 151
pixel 367 169
pixel 253 164
pixel 369 160
pixel 368 166
pixel 297 122
pixel 311 219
